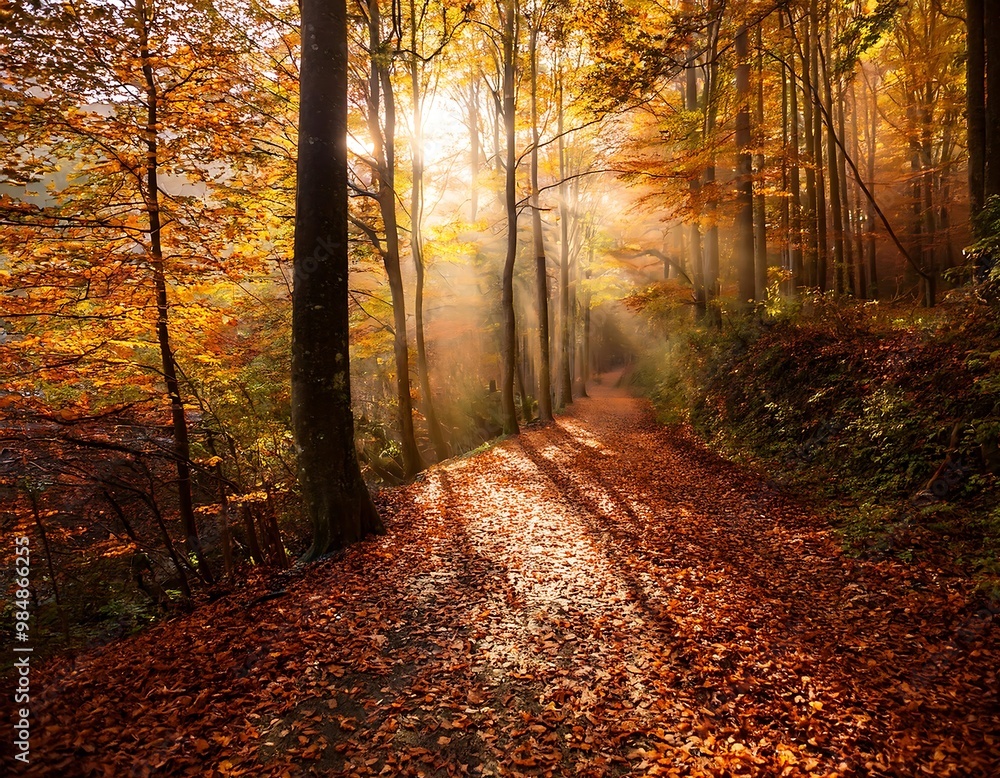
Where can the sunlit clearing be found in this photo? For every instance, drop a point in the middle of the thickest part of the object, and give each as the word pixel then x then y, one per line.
pixel 580 434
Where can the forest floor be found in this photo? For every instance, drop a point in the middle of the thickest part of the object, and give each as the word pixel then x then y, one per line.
pixel 597 597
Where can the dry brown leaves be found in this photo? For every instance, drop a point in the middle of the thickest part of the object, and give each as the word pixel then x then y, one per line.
pixel 598 597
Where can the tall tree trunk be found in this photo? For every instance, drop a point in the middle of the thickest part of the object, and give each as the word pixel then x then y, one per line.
pixel 334 493
pixel 179 561
pixel 836 200
pixel 975 96
pixel 927 178
pixel 916 180
pixel 821 231
pixel 573 267
pixel 907 257
pixel 434 430
pixel 711 253
pixel 538 241
pixel 871 130
pixel 587 301
pixel 507 322
pixel 37 515
pixel 795 182
pixel 744 244
pixel 759 202
pixel 522 364
pixel 182 446
pixel 711 247
pixel 845 199
pixel 565 374
pixel 473 151
pixel 944 212
pixel 579 269
pixel 383 134
pixel 811 259
pixel 992 186
pixel 253 541
pixel 668 267
pixel 694 186
pixel 227 538
pixel 786 204
pixel 498 157
pixel 858 233
pixel 274 532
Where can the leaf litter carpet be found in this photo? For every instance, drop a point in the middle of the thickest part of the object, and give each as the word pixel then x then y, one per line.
pixel 598 597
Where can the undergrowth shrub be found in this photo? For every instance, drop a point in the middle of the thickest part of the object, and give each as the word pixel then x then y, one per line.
pixel 858 404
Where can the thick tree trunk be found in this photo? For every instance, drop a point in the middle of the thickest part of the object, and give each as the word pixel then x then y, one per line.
pixel 975 97
pixel 992 186
pixel 333 491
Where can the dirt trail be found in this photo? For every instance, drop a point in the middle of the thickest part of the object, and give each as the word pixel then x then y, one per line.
pixel 596 597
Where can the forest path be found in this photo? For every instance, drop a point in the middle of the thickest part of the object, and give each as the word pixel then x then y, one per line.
pixel 601 596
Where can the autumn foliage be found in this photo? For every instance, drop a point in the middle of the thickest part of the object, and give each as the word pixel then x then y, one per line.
pixel 599 597
pixel 779 220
